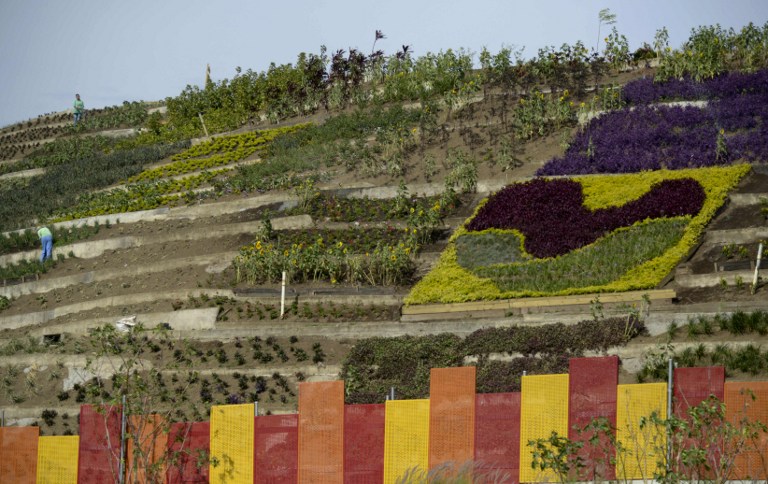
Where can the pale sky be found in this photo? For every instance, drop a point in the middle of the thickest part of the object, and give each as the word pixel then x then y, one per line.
pixel 110 51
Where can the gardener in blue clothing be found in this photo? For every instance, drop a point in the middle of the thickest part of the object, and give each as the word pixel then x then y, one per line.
pixel 46 239
pixel 79 108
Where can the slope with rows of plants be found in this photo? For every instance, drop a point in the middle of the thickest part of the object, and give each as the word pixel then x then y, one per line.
pixel 330 120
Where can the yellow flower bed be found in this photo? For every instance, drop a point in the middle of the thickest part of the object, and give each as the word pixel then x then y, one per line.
pixel 224 144
pixel 449 282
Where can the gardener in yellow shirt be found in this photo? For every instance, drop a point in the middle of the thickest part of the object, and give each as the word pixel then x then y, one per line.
pixel 46 239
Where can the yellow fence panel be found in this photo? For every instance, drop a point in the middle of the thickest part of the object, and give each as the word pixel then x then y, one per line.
pixel 406 438
pixel 57 459
pixel 644 445
pixel 544 409
pixel 232 444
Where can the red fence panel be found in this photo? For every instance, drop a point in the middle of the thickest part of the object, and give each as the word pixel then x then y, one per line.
pixel 99 454
pixel 276 449
pixel 497 434
pixel 364 443
pixel 18 454
pixel 188 450
pixel 592 395
pixel 694 385
pixel 691 387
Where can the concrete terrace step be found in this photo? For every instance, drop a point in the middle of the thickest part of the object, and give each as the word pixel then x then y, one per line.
pixel 736 236
pixel 23 174
pixel 746 199
pixel 120 301
pixel 41 317
pixel 714 279
pixel 180 321
pixel 537 302
pixel 91 249
pixel 45 285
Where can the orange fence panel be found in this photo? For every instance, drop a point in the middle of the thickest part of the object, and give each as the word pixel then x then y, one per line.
pixel 57 459
pixel 321 432
pixel 149 451
pixel 363 443
pixel 188 450
pixel 592 386
pixel 497 436
pixel 276 449
pixel 746 403
pixel 18 454
pixel 99 456
pixel 451 416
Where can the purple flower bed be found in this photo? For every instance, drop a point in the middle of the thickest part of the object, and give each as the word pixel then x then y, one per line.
pixel 650 138
pixel 645 91
pixel 552 216
pixel 644 138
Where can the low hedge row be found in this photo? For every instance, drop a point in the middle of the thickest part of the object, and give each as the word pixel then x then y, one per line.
pixel 374 365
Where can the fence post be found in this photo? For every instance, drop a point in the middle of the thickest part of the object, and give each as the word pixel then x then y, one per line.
pixel 670 386
pixel 121 469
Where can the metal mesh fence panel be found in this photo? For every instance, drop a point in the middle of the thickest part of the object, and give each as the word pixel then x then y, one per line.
pixel 592 386
pixel 544 409
pixel 231 444
pixel 746 404
pixel 321 432
pixel 145 458
pixel 406 438
pixel 363 444
pixel 644 446
pixel 694 385
pixel 188 450
pixel 276 449
pixel 497 435
pixel 99 455
pixel 451 416
pixel 57 459
pixel 18 454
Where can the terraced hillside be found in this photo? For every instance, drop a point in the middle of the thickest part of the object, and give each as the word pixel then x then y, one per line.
pixel 359 203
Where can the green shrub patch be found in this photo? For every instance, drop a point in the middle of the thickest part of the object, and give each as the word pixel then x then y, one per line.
pixel 594 265
pixel 475 250
pixel 374 365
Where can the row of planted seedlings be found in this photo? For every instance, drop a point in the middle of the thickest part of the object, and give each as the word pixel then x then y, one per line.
pixel 370 367
pixel 27 240
pixel 371 255
pixel 235 310
pixel 727 340
pixel 178 181
pixel 183 378
pixel 18 140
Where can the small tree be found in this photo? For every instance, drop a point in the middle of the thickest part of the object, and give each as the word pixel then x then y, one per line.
pixel 137 385
pixel 604 17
